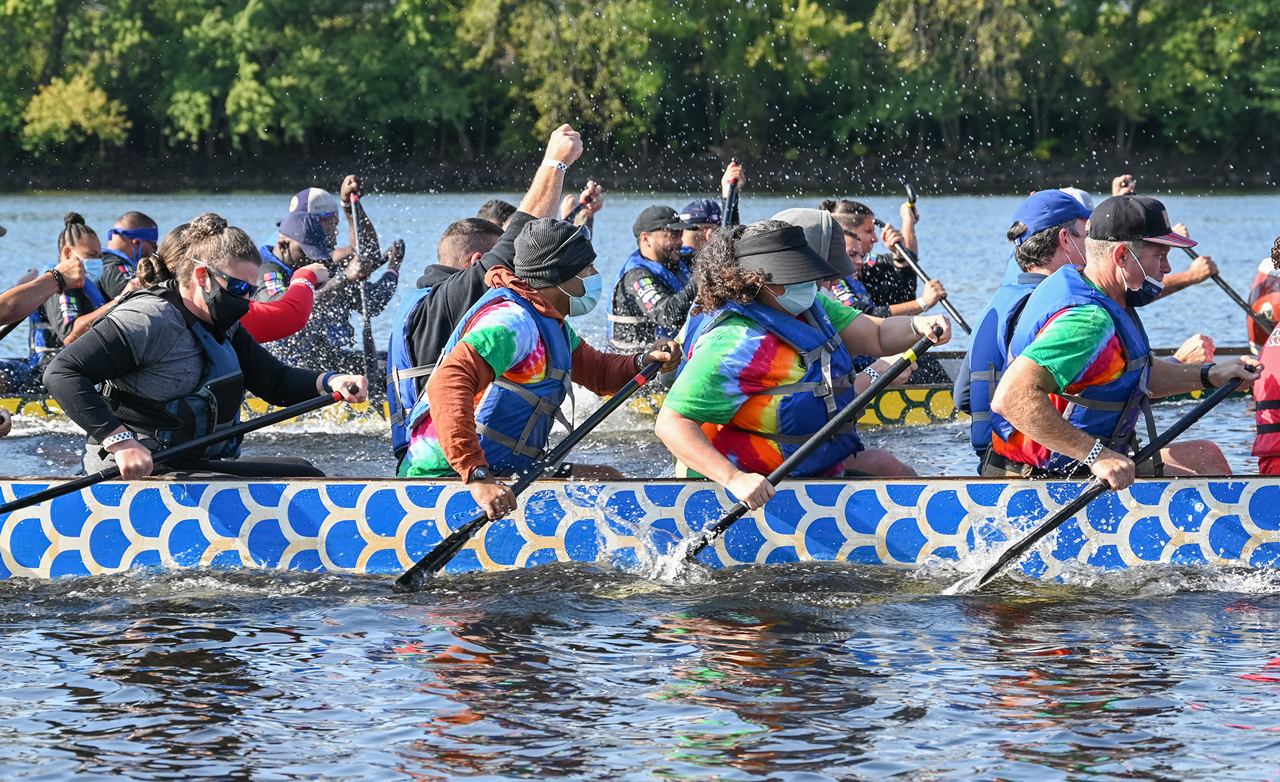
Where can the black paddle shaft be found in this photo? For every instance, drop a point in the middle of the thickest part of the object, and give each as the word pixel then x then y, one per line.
pixel 434 560
pixel 370 347
pixel 730 217
pixel 7 330
pixel 1258 318
pixel 904 252
pixel 832 427
pixel 1097 487
pixel 169 454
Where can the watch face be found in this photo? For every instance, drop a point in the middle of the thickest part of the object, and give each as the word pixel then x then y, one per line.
pixel 479 474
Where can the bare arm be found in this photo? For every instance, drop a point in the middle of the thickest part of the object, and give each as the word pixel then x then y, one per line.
pixel 685 439
pixel 868 335
pixel 21 300
pixel 543 197
pixel 1169 378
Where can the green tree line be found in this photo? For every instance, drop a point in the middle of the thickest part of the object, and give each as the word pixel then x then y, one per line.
pixel 470 79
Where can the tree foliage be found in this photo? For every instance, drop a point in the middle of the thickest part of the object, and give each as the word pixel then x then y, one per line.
pixel 473 78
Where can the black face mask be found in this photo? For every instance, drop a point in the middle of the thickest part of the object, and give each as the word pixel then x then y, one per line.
pixel 224 308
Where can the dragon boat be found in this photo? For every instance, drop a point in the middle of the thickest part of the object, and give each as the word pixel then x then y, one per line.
pixel 382 526
pixel 910 405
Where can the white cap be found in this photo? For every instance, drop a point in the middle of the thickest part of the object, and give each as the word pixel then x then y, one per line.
pixel 1079 195
pixel 316 201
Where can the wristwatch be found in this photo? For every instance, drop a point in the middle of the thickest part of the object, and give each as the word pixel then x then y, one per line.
pixel 1204 376
pixel 478 474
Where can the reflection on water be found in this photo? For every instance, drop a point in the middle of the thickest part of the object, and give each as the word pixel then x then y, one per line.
pixel 779 672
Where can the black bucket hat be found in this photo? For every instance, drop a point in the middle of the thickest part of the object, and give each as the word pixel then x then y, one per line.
pixel 785 255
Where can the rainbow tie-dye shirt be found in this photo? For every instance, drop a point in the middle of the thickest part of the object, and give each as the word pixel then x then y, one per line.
pixel 1079 347
pixel 507 338
pixel 721 386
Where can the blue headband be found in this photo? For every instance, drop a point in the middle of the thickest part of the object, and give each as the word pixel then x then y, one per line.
pixel 141 234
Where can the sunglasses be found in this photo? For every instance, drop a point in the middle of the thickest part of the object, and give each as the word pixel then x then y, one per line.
pixel 235 287
pixel 582 231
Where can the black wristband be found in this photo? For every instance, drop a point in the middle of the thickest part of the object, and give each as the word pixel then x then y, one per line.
pixel 1204 377
pixel 58 278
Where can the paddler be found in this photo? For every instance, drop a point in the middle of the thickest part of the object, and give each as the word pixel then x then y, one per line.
pixel 768 361
pixel 307 235
pixel 883 285
pixel 468 251
pixel 1082 371
pixel 496 211
pixel 1048 233
pixel 64 318
pixel 173 364
pixel 26 299
pixel 507 369
pixel 265 321
pixel 1266 395
pixel 132 238
pixel 652 293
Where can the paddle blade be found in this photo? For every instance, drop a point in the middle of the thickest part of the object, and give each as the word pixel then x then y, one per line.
pixel 416 577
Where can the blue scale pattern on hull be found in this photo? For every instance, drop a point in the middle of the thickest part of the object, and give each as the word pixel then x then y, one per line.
pixel 382 526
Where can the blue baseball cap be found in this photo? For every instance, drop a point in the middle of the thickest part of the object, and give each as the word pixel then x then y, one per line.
pixel 307 230
pixel 1045 209
pixel 702 210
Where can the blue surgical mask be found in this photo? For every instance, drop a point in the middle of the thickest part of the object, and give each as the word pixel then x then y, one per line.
pixel 92 266
pixel 1147 292
pixel 798 297
pixel 581 305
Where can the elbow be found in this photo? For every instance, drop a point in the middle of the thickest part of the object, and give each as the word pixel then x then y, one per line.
pixel 1000 404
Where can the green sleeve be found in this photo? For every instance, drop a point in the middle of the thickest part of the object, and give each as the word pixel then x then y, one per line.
pixel 701 393
pixel 574 339
pixel 1070 342
pixel 840 315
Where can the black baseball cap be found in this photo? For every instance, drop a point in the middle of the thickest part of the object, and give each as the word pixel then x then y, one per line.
pixel 785 255
pixel 659 218
pixel 1129 217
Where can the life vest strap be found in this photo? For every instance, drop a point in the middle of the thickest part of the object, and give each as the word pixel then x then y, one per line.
pixel 1095 404
pixel 393 380
pixel 793 439
pixel 1267 404
pixel 980 416
pixel 990 376
pixel 631 320
pixel 1268 428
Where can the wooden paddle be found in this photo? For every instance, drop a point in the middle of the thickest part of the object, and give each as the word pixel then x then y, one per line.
pixel 908 257
pixel 1258 318
pixel 1096 488
pixel 850 412
pixel 168 454
pixel 370 348
pixel 434 560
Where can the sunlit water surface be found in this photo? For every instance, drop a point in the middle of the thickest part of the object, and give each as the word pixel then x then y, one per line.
pixel 795 672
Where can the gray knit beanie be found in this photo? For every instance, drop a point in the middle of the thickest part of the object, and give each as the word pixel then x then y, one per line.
pixel 543 258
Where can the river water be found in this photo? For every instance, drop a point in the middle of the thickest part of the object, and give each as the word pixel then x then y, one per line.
pixel 796 672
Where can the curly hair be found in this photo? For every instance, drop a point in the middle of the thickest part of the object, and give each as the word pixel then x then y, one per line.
pixel 719 276
pixel 1275 253
pixel 166 263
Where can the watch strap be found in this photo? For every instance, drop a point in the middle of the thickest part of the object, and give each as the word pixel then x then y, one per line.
pixel 1204 376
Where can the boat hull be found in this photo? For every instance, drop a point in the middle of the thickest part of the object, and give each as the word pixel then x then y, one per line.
pixel 383 526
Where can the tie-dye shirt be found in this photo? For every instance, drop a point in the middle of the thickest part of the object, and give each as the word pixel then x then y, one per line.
pixel 1079 347
pixel 721 384
pixel 505 336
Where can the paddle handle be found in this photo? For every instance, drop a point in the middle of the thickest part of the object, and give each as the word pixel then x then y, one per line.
pixel 168 454
pixel 911 200
pixel 573 213
pixel 7 330
pixel 829 430
pixel 1261 320
pixel 1097 487
pixel 370 347
pixel 730 217
pixel 904 252
pixel 435 559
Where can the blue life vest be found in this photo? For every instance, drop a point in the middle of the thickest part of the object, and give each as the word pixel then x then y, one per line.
pixel 43 340
pixel 807 405
pixel 213 405
pixel 402 373
pixel 1011 269
pixel 675 280
pixel 1108 411
pixel 988 358
pixel 513 420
